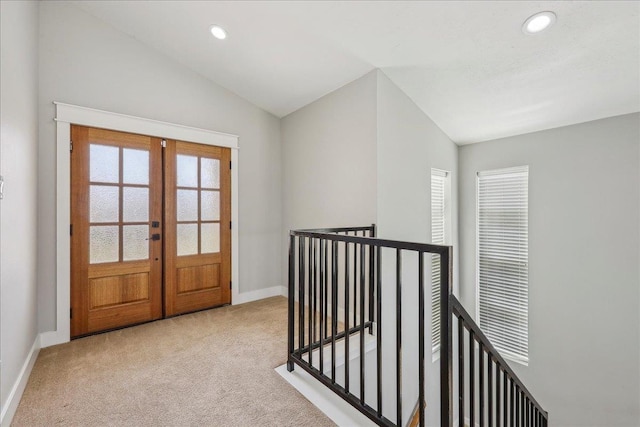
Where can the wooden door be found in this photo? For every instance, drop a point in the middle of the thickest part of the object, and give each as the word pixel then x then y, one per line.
pixel 116 206
pixel 197 222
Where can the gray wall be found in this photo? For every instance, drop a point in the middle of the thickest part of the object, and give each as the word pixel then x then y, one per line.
pixel 409 145
pixel 583 264
pixel 84 61
pixel 329 159
pixel 360 155
pixel 18 209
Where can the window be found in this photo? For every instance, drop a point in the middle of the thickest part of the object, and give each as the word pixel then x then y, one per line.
pixel 440 235
pixel 503 260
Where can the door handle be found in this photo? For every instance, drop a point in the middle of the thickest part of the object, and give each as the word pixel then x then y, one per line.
pixel 153 237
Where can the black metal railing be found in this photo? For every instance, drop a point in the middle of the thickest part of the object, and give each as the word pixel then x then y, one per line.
pixel 343 266
pixel 336 310
pixel 489 393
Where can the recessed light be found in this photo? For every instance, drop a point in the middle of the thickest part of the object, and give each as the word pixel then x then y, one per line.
pixel 218 32
pixel 538 22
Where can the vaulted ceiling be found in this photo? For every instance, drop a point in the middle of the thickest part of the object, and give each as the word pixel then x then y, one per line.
pixel 466 64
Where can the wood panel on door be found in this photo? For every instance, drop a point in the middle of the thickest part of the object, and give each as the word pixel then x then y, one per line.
pixel 197 222
pixel 116 205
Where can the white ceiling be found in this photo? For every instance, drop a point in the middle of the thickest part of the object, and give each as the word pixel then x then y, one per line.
pixel 465 64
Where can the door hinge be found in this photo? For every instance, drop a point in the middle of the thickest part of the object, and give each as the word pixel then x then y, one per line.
pixel 71 313
pixel 229 164
pixel 70 229
pixel 163 143
pixel 230 225
pixel 230 284
pixel 70 145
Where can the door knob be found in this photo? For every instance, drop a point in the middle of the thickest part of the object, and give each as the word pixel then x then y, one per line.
pixel 153 237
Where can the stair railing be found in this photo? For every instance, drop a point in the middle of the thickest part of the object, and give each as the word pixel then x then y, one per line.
pixel 335 287
pixel 335 274
pixel 498 397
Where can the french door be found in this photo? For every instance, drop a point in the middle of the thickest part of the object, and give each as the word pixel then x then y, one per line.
pixel 150 229
pixel 198 221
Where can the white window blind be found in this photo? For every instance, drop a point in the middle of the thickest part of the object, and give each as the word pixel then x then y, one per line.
pixel 439 210
pixel 503 257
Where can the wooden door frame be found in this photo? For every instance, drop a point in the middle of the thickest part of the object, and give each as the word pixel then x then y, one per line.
pixel 66 115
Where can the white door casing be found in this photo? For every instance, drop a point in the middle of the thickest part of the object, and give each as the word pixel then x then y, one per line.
pixel 66 115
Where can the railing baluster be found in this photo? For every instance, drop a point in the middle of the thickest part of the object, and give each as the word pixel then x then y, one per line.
pixel 371 279
pixel 347 290
pixel 481 382
pixel 518 402
pixel 498 397
pixel 460 369
pixel 311 314
pixel 355 281
pixel 362 355
pixel 512 411
pixel 314 297
pixel 472 377
pixel 505 398
pixel 326 289
pixel 379 327
pixel 490 389
pixel 291 338
pixel 334 306
pixel 523 408
pixel 323 312
pixel 538 417
pixel 301 291
pixel 446 339
pixel 421 337
pixel 399 337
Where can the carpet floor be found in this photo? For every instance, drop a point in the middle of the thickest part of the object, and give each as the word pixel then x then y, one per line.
pixel 211 368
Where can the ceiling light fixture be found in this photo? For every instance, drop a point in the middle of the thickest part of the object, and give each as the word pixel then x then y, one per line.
pixel 218 32
pixel 538 22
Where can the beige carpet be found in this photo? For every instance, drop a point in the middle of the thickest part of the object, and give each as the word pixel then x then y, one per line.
pixel 212 368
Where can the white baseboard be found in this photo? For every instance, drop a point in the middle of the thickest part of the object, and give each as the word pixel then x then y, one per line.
pixel 259 294
pixel 11 405
pixel 47 339
pixel 332 405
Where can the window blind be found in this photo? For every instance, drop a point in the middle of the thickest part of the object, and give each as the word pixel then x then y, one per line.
pixel 438 237
pixel 503 257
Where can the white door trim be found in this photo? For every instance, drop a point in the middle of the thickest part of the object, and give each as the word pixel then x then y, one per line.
pixel 66 115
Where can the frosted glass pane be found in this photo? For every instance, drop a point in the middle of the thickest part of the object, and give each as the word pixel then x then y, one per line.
pixel 187 171
pixel 210 173
pixel 134 243
pixel 103 203
pixel 187 239
pixel 210 205
pixel 210 238
pixel 187 205
pixel 135 166
pixel 103 244
pixel 104 163
pixel 135 203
